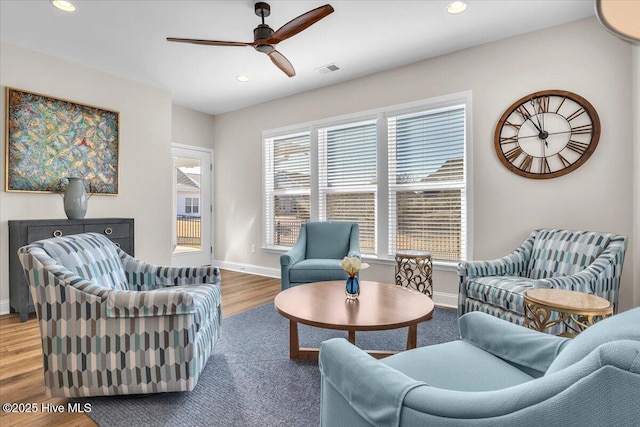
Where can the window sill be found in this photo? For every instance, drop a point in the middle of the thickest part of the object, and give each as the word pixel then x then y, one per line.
pixel 437 265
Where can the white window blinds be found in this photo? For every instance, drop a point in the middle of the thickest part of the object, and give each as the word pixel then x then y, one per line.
pixel 347 169
pixel 399 172
pixel 287 185
pixel 427 210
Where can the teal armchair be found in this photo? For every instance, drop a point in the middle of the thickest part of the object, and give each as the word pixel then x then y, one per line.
pixel 318 251
pixel 498 374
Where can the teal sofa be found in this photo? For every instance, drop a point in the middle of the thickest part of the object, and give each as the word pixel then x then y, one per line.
pixel 318 251
pixel 497 374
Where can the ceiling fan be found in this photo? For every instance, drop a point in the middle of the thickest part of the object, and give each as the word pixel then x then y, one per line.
pixel 265 39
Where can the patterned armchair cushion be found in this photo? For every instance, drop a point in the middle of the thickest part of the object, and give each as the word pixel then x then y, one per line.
pixel 563 252
pixel 506 292
pixel 91 256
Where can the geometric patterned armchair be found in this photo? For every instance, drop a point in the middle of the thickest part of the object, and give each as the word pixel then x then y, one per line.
pixel 113 325
pixel 581 261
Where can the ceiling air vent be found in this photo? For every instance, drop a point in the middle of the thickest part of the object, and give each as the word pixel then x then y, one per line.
pixel 326 69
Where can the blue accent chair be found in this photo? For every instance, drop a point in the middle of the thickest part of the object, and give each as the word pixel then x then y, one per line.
pixel 498 374
pixel 317 254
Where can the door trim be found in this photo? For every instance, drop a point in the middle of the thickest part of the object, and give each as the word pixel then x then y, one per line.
pixel 212 203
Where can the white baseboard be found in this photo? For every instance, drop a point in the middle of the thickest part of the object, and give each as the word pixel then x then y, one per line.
pixel 442 299
pixel 248 268
pixel 5 308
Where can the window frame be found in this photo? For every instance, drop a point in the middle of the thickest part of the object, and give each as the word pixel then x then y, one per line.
pixel 382 255
pixel 268 206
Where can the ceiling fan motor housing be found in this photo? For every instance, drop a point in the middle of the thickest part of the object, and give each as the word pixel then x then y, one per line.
pixel 263 32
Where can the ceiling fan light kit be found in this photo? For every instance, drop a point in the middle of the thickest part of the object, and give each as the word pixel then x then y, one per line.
pixel 265 39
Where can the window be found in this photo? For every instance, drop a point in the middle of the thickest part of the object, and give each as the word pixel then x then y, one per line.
pixel 427 183
pixel 400 172
pixel 347 178
pixel 191 205
pixel 287 185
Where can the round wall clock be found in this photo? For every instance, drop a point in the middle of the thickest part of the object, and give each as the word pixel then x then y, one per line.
pixel 547 134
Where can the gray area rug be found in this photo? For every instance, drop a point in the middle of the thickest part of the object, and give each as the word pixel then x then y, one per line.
pixel 250 380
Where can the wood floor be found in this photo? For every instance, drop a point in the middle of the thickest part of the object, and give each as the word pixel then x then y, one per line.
pixel 21 377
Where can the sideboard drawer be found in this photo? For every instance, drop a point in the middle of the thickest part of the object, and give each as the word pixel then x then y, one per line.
pixel 112 231
pixel 47 232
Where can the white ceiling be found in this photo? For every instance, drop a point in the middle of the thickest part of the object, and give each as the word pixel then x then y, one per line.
pixel 127 38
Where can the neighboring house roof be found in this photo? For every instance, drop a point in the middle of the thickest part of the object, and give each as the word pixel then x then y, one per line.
pixel 186 182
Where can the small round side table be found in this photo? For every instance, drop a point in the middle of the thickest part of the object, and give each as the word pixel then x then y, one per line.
pixel 414 270
pixel 576 310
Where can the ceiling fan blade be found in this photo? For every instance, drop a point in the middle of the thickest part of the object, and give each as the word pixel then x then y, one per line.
pixel 300 23
pixel 282 63
pixel 208 42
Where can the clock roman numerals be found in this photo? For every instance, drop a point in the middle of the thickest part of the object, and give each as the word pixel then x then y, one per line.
pixel 513 154
pixel 543 104
pixel 524 112
pixel 526 163
pixel 544 165
pixel 582 129
pixel 513 125
pixel 564 161
pixel 547 134
pixel 509 139
pixel 578 147
pixel 576 114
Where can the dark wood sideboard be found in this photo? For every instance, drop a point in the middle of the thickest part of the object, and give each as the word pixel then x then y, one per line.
pixel 21 233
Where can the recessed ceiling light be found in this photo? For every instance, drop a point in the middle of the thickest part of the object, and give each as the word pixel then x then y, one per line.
pixel 456 7
pixel 242 78
pixel 64 5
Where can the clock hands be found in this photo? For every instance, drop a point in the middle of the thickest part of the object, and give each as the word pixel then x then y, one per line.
pixel 539 127
pixel 547 135
pixel 542 134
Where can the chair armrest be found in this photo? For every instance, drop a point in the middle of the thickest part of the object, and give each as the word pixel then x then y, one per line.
pixel 552 397
pixel 374 390
pixel 601 276
pixel 143 276
pixel 149 303
pixel 513 343
pixel 298 252
pixel 514 264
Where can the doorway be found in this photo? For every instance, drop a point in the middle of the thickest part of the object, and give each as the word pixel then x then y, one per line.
pixel 192 230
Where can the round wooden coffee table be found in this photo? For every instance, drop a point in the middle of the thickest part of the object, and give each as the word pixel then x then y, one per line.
pixel 380 306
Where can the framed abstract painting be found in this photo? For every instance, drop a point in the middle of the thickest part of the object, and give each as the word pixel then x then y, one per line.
pixel 49 139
